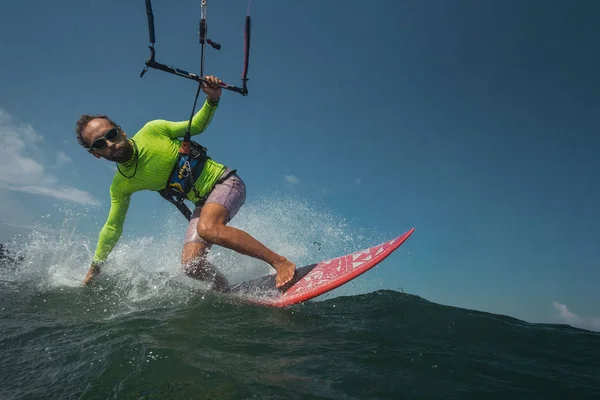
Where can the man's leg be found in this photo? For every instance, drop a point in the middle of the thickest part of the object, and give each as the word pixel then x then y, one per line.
pixel 221 206
pixel 231 195
pixel 195 249
pixel 212 228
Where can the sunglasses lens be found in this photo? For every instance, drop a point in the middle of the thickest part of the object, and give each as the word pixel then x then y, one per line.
pixel 112 134
pixel 99 144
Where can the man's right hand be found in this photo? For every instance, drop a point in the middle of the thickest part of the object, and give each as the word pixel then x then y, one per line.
pixel 93 271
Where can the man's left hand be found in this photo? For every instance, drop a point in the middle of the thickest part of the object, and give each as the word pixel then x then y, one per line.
pixel 212 88
pixel 93 272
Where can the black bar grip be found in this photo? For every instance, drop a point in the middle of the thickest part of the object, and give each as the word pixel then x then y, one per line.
pixel 202 31
pixel 150 16
pixel 246 50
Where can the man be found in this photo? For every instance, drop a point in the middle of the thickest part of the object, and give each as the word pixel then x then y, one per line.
pixel 146 161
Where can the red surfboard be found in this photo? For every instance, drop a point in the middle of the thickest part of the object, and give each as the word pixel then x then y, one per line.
pixel 314 280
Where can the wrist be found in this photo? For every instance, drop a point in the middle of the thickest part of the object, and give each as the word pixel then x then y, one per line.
pixel 96 265
pixel 212 101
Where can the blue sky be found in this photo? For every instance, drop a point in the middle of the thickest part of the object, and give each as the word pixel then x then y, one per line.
pixel 474 122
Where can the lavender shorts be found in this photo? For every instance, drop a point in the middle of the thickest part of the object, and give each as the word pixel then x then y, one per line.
pixel 230 193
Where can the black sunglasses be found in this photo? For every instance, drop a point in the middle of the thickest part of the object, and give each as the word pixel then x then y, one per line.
pixel 100 143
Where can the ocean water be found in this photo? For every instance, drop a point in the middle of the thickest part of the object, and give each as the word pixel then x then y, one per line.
pixel 145 331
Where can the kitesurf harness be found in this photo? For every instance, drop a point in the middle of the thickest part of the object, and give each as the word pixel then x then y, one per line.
pixel 192 156
pixel 181 181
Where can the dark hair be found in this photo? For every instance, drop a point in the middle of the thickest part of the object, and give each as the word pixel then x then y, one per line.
pixel 84 120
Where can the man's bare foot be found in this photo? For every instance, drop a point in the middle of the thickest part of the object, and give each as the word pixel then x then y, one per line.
pixel 285 272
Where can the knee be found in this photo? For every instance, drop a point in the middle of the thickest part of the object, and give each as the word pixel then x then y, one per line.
pixel 209 231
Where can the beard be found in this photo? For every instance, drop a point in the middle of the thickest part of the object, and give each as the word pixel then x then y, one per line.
pixel 120 154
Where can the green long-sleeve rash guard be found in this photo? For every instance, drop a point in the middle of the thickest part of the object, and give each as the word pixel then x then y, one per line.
pixel 158 148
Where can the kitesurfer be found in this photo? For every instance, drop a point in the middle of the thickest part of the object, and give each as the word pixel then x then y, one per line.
pixel 146 162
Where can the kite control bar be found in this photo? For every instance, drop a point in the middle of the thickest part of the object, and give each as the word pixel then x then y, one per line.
pixel 152 63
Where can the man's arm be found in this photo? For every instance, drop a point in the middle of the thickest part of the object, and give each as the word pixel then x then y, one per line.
pixel 200 121
pixel 110 233
pixel 113 228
